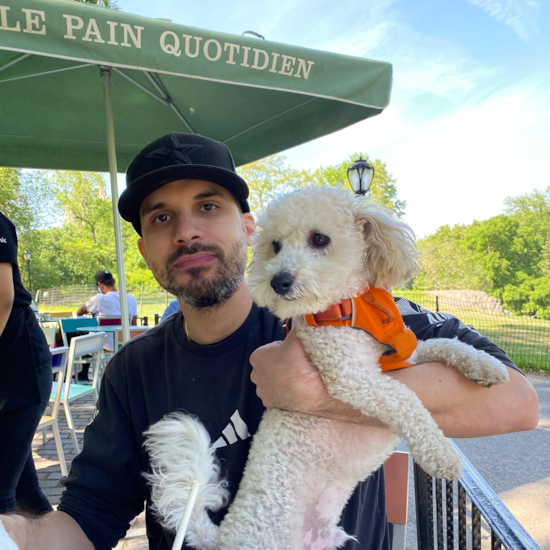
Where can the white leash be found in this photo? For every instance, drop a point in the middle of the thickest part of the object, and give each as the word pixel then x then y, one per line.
pixel 182 527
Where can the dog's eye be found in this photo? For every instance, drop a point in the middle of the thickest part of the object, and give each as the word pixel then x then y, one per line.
pixel 277 246
pixel 319 240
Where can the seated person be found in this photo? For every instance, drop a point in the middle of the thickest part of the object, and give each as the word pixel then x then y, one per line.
pixel 106 303
pixel 173 307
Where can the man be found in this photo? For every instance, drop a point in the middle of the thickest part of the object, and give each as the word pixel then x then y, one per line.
pixel 25 383
pixel 105 304
pixel 189 206
pixel 171 308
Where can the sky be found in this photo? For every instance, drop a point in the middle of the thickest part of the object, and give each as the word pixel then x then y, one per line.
pixel 468 123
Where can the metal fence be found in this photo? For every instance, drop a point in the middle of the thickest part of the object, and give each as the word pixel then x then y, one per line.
pixel 525 339
pixel 467 514
pixel 70 297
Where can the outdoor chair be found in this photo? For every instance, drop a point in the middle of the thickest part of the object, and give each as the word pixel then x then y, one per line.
pixel 396 475
pixel 112 337
pixel 60 314
pixel 89 344
pixel 70 325
pixel 49 333
pixel 133 333
pixel 50 420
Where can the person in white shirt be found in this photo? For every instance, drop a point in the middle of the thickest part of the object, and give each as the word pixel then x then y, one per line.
pixel 107 303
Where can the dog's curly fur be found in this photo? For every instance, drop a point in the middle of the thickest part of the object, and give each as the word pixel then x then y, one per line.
pixel 301 470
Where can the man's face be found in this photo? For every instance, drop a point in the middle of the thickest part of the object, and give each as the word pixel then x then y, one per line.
pixel 195 241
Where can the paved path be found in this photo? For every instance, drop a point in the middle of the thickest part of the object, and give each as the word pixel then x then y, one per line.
pixel 517 466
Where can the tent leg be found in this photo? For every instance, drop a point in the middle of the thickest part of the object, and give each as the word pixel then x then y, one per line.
pixel 111 148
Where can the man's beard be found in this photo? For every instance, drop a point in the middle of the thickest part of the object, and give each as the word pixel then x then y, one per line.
pixel 203 291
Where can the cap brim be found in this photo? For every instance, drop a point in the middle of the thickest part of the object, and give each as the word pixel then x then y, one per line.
pixel 132 197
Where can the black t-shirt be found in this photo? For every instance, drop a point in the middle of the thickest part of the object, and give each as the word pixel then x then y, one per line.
pixel 23 347
pixel 161 372
pixel 8 254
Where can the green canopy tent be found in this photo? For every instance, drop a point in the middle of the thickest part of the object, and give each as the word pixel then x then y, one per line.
pixel 85 88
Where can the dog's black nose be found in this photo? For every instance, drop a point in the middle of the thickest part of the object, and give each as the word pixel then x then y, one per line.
pixel 282 283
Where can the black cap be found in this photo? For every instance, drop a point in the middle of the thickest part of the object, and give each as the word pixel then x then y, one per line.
pixel 179 156
pixel 104 276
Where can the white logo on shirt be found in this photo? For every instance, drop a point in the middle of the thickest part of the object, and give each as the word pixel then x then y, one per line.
pixel 235 430
pixel 3 240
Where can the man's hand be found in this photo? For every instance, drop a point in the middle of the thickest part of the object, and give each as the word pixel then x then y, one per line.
pixel 285 378
pixel 82 310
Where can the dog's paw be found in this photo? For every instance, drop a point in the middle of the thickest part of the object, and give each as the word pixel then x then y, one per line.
pixel 490 373
pixel 449 468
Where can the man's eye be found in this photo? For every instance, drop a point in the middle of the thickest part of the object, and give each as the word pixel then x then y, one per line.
pixel 161 218
pixel 208 207
pixel 277 247
pixel 319 240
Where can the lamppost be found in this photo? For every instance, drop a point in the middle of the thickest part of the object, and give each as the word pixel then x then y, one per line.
pixel 360 175
pixel 27 256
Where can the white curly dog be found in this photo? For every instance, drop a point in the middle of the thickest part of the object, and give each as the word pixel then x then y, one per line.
pixel 317 247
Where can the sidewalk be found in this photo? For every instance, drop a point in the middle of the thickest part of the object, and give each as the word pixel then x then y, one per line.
pixel 49 474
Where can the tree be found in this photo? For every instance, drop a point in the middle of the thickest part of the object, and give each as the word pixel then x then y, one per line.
pixel 73 252
pixel 111 4
pixel 268 178
pixel 446 265
pixel 13 201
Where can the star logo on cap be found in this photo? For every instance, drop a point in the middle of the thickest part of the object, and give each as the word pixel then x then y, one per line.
pixel 178 153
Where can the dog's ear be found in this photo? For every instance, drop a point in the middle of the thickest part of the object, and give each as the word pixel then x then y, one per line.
pixel 391 255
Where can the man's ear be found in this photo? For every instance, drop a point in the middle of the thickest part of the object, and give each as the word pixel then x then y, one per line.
pixel 249 226
pixel 141 246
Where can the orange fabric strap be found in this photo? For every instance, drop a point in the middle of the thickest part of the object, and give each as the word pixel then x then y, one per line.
pixel 377 314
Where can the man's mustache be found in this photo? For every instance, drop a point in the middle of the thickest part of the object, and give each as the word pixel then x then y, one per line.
pixel 193 249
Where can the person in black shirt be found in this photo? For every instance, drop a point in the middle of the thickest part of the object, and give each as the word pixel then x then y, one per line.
pixel 187 203
pixel 25 383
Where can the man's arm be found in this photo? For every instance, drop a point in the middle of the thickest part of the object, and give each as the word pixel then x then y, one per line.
pixel 54 530
pixel 82 310
pixel 286 379
pixel 7 294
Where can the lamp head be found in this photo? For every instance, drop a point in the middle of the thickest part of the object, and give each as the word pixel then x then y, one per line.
pixel 360 175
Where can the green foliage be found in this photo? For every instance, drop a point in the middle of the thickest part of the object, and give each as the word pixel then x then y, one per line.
pixel 111 4
pixel 446 264
pixel 74 251
pixel 13 201
pixel 269 177
pixel 532 297
pixel 507 255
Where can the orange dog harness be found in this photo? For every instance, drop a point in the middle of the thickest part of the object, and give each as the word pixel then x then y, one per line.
pixel 375 312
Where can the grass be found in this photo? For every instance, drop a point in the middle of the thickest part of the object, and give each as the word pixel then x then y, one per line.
pixel 526 340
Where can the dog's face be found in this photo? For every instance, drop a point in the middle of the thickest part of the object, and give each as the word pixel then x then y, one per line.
pixel 318 246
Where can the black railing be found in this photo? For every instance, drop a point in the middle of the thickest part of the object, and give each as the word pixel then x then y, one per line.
pixel 436 520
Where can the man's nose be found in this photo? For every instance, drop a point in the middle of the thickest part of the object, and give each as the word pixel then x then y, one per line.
pixel 282 282
pixel 187 230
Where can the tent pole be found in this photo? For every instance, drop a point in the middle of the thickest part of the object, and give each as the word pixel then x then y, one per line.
pixel 111 148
